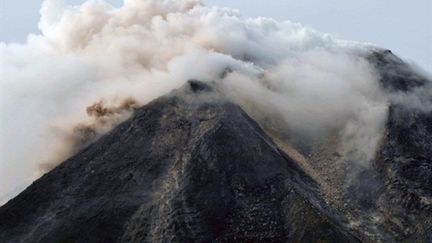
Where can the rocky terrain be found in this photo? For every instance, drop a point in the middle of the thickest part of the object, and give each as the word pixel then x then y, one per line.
pixel 192 166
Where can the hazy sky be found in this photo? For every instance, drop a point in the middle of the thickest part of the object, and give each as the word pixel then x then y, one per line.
pixel 400 25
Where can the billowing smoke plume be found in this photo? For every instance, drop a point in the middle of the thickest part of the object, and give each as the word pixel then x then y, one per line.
pixel 94 64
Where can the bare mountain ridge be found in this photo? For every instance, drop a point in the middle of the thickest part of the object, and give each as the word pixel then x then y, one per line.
pixel 192 166
pixel 178 170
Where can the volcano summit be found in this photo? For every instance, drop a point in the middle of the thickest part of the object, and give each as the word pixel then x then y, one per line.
pixel 171 121
pixel 192 166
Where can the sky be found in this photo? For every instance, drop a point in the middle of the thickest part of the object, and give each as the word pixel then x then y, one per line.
pixel 403 26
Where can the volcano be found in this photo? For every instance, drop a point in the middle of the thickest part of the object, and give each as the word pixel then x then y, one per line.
pixel 192 166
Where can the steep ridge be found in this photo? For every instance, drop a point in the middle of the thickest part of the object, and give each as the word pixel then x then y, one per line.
pixel 192 166
pixel 186 167
pixel 405 158
pixel 390 200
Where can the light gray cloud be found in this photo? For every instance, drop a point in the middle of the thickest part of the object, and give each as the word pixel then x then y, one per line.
pixel 312 82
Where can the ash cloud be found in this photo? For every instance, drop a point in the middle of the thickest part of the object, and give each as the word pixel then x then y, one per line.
pixel 72 137
pixel 289 77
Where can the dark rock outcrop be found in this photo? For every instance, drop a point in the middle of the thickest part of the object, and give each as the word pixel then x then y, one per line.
pixel 405 157
pixel 395 74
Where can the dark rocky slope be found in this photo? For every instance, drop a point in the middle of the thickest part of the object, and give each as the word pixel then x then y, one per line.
pixel 390 200
pixel 404 160
pixel 193 167
pixel 177 171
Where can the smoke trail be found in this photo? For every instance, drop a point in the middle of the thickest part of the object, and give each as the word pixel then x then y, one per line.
pixel 304 82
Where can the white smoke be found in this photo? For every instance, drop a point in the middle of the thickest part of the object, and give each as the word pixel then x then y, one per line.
pixel 312 82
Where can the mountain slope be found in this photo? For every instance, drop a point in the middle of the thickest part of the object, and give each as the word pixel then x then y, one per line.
pixel 181 169
pixel 404 160
pixel 193 166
